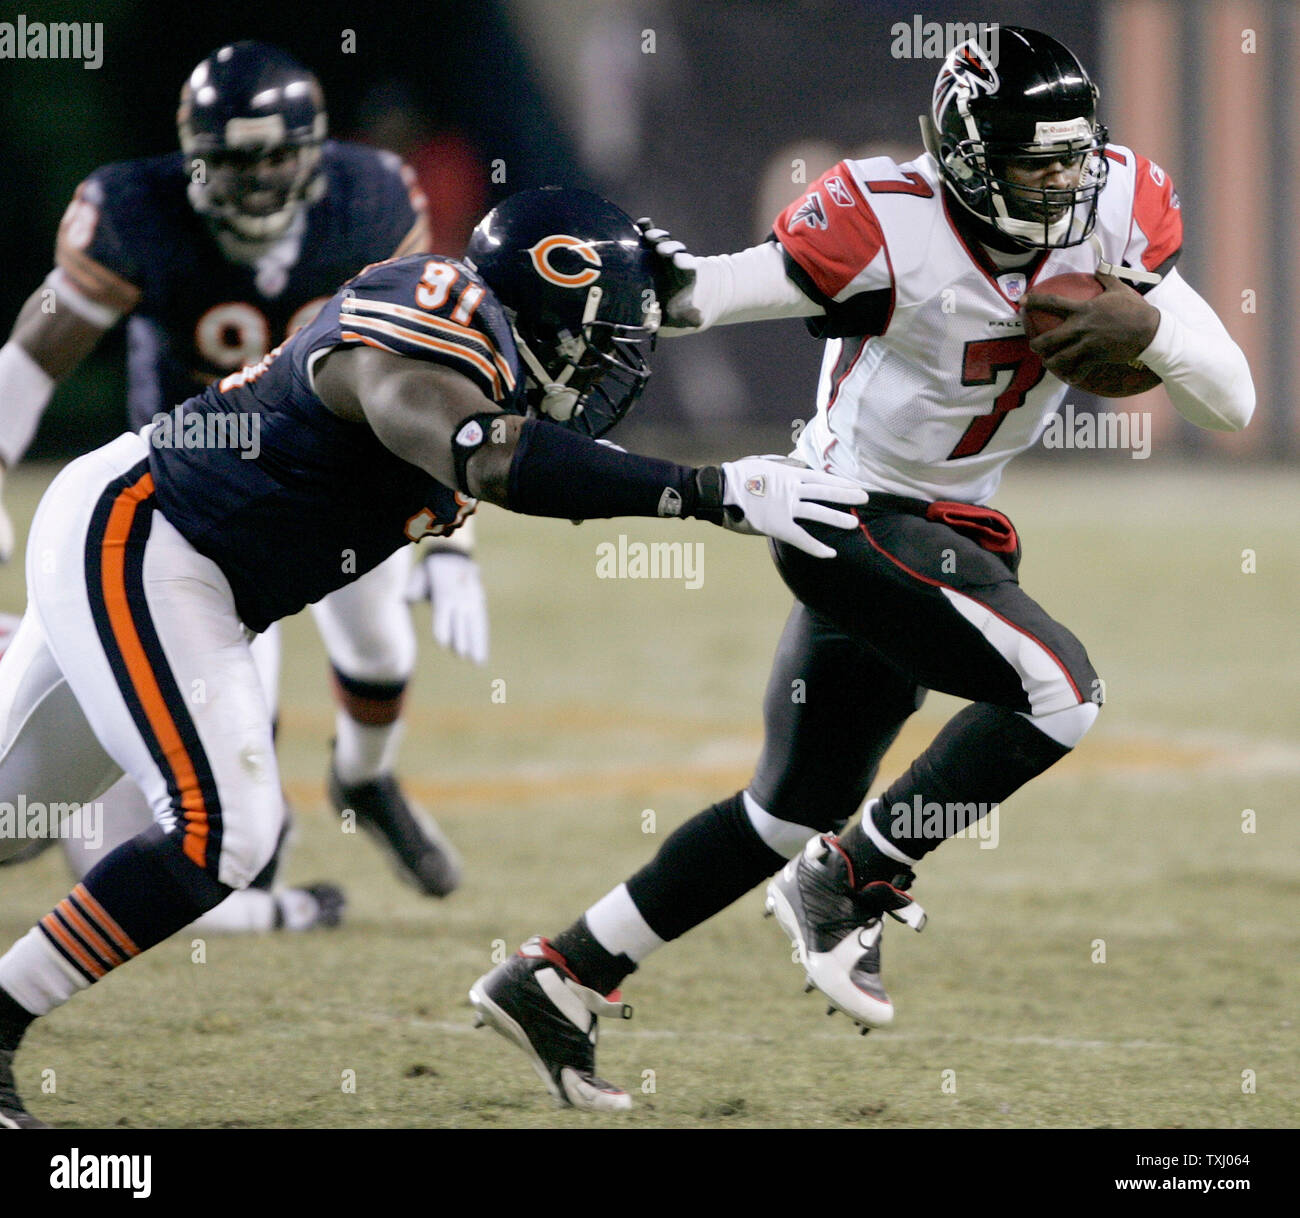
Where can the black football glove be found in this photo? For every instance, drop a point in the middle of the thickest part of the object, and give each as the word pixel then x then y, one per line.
pixel 674 273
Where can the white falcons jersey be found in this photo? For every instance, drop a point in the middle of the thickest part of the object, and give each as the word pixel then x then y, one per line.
pixel 928 387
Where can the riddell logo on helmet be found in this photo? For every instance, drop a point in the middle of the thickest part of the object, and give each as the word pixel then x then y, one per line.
pixel 543 254
pixel 921 39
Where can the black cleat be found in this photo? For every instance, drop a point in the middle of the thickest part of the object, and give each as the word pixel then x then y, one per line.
pixel 534 1001
pixel 12 1113
pixel 420 852
pixel 836 929
pixel 330 904
pixel 309 907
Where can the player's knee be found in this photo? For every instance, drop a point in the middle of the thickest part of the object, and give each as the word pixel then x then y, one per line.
pixel 246 850
pixel 381 650
pixel 785 837
pixel 244 838
pixel 375 661
pixel 1067 727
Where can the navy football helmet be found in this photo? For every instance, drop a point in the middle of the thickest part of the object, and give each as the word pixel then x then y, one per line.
pixel 252 120
pixel 1016 99
pixel 574 274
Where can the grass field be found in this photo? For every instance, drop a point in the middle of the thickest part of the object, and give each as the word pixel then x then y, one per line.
pixel 624 696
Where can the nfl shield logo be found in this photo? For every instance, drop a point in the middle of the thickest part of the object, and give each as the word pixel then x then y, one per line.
pixel 1013 286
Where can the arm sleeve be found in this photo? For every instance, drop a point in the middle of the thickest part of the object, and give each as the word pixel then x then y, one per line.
pixel 826 261
pixel 25 390
pixel 1204 371
pixel 749 286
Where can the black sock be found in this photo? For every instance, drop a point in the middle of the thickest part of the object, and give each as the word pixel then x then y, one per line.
pixel 593 965
pixel 151 889
pixel 14 1019
pixel 710 861
pixel 870 863
pixel 983 754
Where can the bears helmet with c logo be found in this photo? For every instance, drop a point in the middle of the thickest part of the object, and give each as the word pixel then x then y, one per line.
pixel 575 276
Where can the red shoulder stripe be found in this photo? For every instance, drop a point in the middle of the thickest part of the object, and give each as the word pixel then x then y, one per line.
pixel 1157 213
pixel 831 232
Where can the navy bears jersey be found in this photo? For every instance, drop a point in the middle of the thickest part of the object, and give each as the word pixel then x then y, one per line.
pixel 130 240
pixel 293 502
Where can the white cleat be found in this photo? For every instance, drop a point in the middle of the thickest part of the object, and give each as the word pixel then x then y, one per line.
pixel 836 929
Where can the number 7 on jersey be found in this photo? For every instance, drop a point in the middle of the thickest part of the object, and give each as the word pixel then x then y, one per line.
pixel 981 362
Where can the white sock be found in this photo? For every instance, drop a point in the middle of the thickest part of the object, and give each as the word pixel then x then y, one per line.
pixel 363 752
pixel 617 925
pixel 36 977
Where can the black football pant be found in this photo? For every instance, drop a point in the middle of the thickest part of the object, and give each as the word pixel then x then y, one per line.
pixel 921 596
pixel 913 603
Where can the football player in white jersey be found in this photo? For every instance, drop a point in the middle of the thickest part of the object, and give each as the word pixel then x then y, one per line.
pixel 913 273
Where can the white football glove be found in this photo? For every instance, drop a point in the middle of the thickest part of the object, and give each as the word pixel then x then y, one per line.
pixel 450 579
pixel 771 493
pixel 6 526
pixel 674 272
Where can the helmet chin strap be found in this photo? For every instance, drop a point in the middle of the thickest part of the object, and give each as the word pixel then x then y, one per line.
pixel 1030 231
pixel 559 402
pixel 254 252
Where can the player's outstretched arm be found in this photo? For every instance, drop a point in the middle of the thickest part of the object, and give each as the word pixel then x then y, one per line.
pixel 49 339
pixel 438 420
pixel 722 289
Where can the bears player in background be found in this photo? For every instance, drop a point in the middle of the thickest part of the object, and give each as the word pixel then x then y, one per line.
pixel 217 254
pixel 413 393
pixel 929 386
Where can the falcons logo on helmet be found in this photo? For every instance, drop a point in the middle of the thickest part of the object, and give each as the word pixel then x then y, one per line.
pixel 968 67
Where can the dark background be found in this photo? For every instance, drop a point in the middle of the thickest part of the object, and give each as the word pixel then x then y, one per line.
pixel 709 119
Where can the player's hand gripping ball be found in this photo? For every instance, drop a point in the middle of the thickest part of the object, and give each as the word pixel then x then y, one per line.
pixel 1089 330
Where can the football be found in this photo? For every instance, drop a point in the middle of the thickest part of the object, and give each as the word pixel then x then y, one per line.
pixel 1105 380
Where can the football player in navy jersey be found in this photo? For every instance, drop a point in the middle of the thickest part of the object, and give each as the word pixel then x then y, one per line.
pixel 421 387
pixel 216 254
